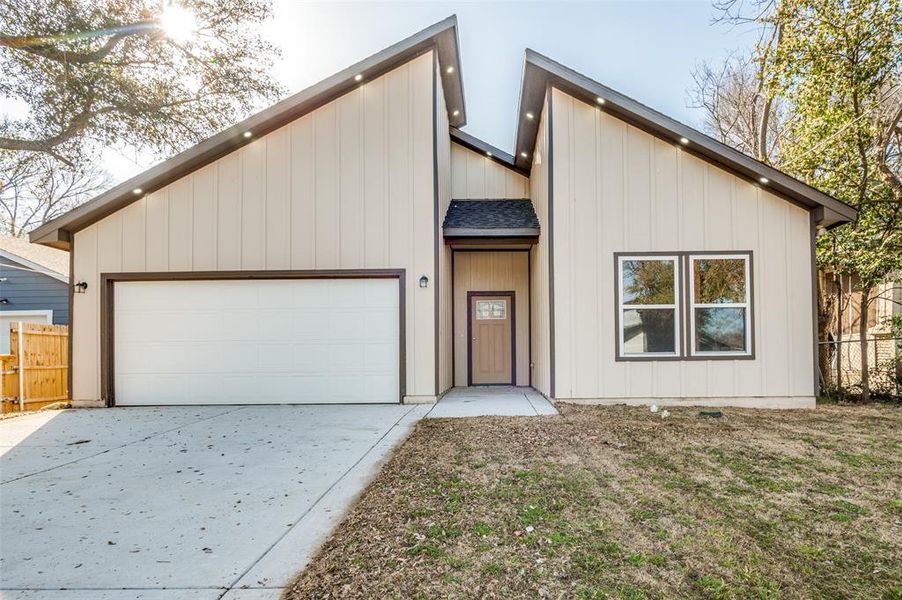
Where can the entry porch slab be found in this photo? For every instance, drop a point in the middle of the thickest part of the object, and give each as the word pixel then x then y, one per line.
pixel 501 401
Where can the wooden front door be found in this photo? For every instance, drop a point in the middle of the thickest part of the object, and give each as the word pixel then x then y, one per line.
pixel 491 325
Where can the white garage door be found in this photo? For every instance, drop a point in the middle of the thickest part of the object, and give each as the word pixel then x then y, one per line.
pixel 256 342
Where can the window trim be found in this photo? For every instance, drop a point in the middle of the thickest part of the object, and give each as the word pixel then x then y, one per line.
pixel 675 258
pixel 685 341
pixel 691 305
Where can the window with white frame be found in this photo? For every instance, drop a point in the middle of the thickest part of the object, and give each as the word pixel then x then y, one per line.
pixel 648 293
pixel 719 305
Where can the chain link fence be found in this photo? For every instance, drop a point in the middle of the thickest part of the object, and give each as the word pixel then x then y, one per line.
pixel 840 366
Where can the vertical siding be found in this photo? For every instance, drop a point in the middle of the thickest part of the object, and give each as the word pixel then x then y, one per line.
pixel 348 186
pixel 477 177
pixel 491 272
pixel 445 281
pixel 617 188
pixel 539 298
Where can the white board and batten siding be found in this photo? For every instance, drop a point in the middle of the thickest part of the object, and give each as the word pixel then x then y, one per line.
pixel 539 305
pixel 443 163
pixel 348 186
pixel 619 189
pixel 475 176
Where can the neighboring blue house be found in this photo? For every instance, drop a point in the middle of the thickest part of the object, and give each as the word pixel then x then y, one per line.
pixel 34 285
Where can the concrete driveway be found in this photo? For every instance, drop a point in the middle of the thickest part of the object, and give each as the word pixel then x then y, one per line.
pixel 180 502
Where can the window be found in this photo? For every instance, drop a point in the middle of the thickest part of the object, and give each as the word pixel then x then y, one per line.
pixel 681 305
pixel 648 297
pixel 719 321
pixel 491 309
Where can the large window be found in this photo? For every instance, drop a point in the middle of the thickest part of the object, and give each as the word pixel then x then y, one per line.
pixel 648 295
pixel 657 321
pixel 719 323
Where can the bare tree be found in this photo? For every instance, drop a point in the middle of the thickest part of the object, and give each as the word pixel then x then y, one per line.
pixel 738 110
pixel 35 188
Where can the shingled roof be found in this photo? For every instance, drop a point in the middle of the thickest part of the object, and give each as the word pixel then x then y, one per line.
pixel 491 218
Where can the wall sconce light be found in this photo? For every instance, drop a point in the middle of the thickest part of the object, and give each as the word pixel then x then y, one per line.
pixel 4 300
pixel 80 287
pixel 424 281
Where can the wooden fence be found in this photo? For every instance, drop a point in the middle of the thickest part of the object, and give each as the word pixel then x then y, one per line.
pixel 37 372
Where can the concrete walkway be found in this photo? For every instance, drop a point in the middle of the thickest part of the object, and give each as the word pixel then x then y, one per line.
pixel 484 401
pixel 202 503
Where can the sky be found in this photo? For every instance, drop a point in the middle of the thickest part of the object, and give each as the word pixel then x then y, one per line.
pixel 646 50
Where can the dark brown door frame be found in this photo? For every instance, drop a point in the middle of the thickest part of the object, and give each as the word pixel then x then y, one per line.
pixel 108 280
pixel 513 313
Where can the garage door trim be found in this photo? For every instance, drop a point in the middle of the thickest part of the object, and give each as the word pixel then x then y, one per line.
pixel 108 280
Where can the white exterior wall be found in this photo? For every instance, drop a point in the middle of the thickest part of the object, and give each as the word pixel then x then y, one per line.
pixel 477 177
pixel 539 305
pixel 348 186
pixel 619 189
pixel 443 161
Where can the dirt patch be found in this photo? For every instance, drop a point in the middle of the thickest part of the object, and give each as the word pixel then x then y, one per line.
pixel 618 502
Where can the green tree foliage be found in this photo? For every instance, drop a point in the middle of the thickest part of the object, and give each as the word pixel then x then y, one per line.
pixel 100 72
pixel 834 68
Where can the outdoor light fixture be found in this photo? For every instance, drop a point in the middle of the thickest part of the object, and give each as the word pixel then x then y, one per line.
pixel 523 154
pixel 764 180
pixel 4 300
pixel 358 77
pixel 455 113
pixel 80 287
pixel 137 191
pixel 530 116
pixel 600 100
pixel 449 70
pixel 247 134
pixel 684 141
pixel 489 154
pixel 424 281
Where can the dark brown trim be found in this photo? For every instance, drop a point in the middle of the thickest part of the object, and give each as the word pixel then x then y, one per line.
pixel 453 325
pixel 491 241
pixel 436 245
pixel 540 71
pixel 550 209
pixel 684 306
pixel 513 323
pixel 70 295
pixel 529 315
pixel 441 37
pixel 478 146
pixel 107 299
pixel 814 304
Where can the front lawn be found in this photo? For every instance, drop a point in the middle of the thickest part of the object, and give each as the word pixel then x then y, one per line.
pixel 620 502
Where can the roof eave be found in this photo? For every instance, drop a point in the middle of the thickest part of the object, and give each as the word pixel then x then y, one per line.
pixel 540 73
pixel 456 232
pixel 495 154
pixel 441 36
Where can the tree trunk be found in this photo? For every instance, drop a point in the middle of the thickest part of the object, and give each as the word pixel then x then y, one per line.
pixel 824 318
pixel 863 342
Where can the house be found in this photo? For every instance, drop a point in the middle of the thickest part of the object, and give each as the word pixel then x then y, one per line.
pixel 352 244
pixel 34 285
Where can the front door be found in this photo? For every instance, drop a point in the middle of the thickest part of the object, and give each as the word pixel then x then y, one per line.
pixel 491 353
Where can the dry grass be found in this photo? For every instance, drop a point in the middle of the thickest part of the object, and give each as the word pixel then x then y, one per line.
pixel 618 502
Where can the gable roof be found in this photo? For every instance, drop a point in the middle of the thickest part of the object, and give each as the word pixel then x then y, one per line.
pixel 540 72
pixel 441 36
pixel 491 218
pixel 49 261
